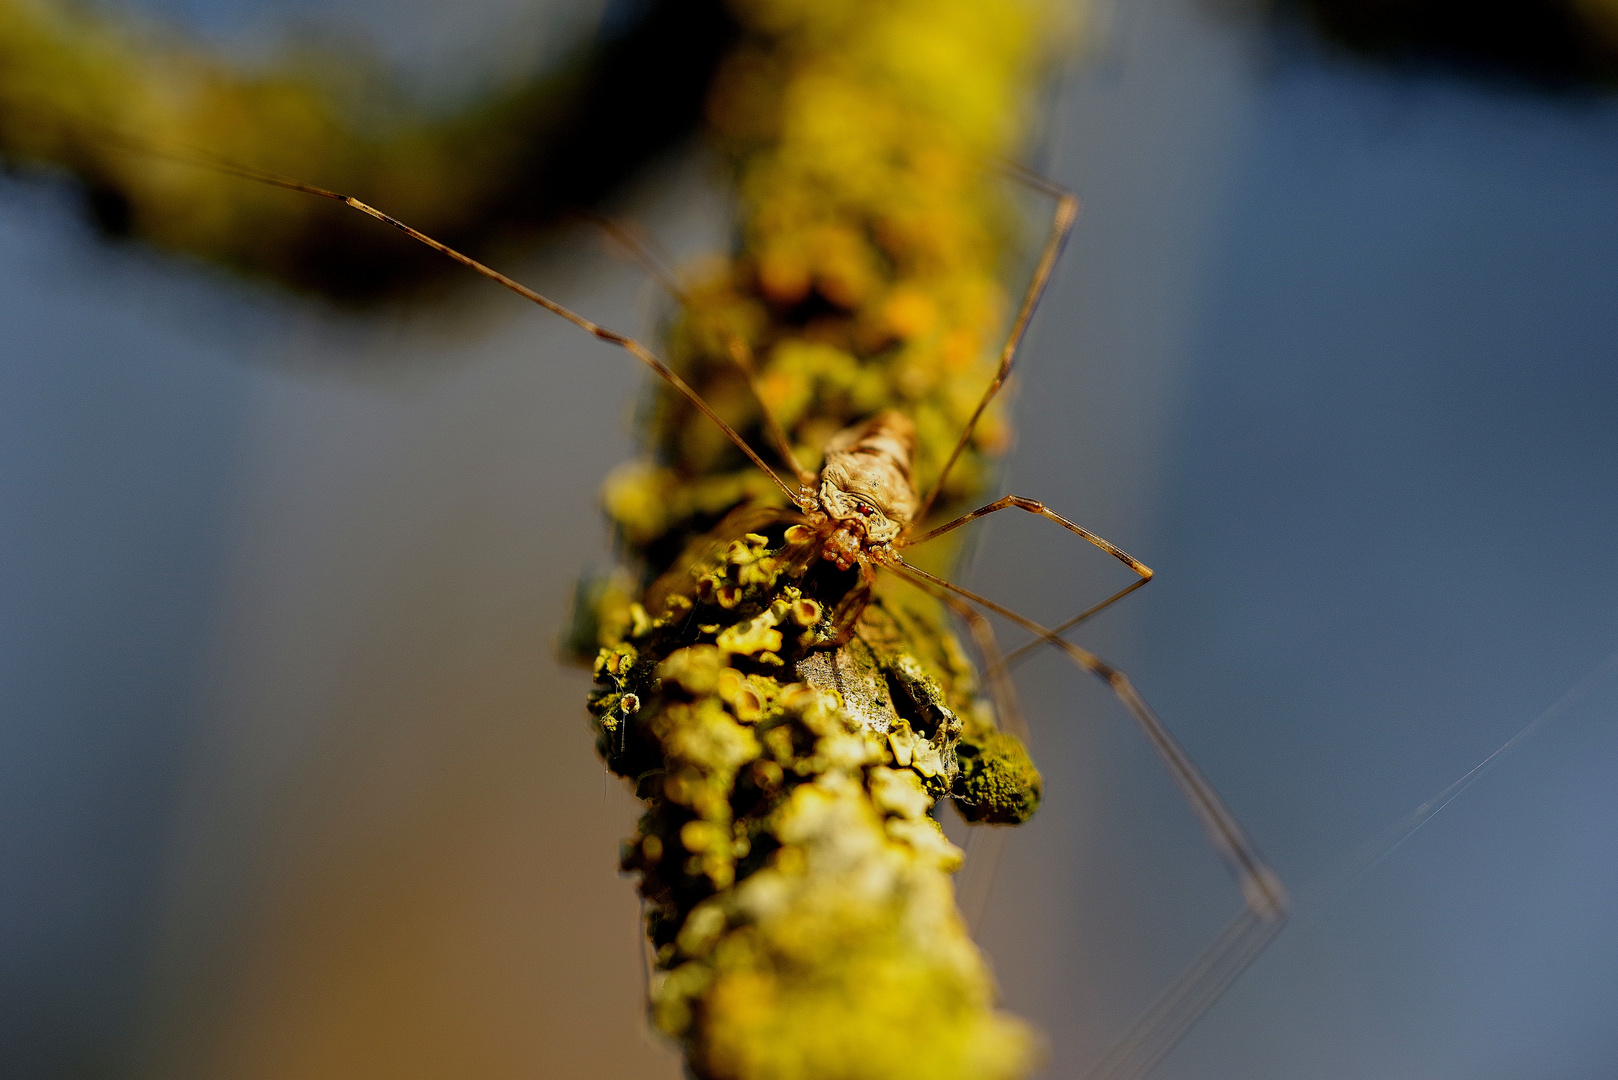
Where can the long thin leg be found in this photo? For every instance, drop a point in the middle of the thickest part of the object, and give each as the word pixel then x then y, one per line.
pixel 1015 656
pixel 986 843
pixel 1034 506
pixel 1142 571
pixel 1263 894
pixel 1001 687
pixel 1067 209
pixel 623 341
pixel 638 244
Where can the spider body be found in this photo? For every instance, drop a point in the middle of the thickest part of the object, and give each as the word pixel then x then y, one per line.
pixel 866 498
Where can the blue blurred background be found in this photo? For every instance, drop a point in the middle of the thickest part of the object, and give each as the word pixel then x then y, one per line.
pixel 292 786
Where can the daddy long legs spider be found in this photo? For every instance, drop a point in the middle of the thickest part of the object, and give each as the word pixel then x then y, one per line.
pixel 861 512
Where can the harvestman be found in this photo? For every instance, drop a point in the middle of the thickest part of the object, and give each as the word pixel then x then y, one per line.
pixel 862 510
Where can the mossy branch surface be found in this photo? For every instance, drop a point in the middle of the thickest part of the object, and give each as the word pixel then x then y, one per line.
pixel 797 883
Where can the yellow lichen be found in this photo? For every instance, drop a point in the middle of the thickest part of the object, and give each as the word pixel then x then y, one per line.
pixel 824 940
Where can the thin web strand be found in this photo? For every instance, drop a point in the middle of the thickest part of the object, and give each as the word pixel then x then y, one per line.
pixel 1371 854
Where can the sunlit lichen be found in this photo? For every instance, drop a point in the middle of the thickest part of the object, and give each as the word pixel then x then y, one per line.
pixel 798 890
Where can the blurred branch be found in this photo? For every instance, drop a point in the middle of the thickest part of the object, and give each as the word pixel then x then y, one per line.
pixel 507 165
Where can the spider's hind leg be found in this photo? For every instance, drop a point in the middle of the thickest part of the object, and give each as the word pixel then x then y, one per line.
pixel 1264 898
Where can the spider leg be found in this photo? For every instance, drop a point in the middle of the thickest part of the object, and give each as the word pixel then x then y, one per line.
pixel 986 842
pixel 1142 571
pixel 845 616
pixel 1264 897
pixel 640 352
pixel 1067 210
pixel 1001 688
pixel 639 245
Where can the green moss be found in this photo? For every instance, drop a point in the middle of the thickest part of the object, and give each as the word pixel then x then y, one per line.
pixel 998 783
